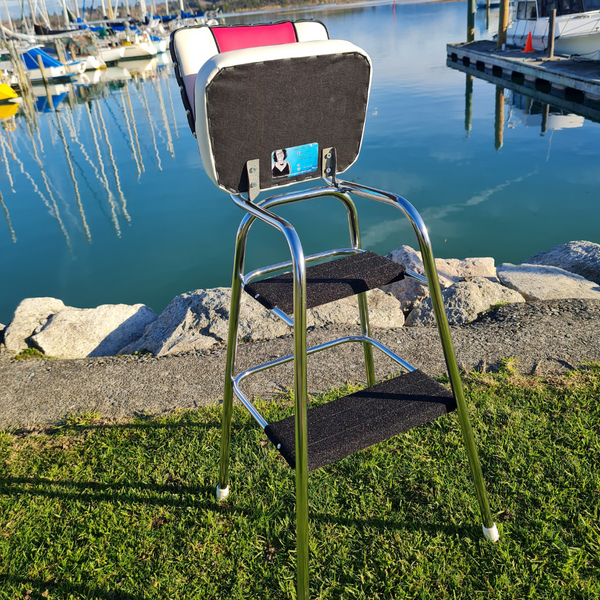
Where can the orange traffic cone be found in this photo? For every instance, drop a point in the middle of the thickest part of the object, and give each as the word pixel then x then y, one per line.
pixel 529 45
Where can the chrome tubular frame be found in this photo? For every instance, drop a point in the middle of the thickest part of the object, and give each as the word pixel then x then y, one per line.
pixel 435 291
pixel 284 359
pixel 261 210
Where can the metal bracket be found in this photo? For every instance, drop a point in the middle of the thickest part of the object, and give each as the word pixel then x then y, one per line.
pixel 253 171
pixel 328 165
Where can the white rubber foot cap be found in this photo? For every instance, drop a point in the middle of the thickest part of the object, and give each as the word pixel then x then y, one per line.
pixel 222 494
pixel 491 534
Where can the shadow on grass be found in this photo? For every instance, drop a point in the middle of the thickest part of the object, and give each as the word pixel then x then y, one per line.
pixel 203 497
pixel 39 586
pixel 403 525
pixel 160 495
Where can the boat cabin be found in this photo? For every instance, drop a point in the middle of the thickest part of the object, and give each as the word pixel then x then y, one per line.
pixel 530 10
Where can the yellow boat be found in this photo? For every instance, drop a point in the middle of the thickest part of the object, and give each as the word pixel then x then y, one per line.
pixel 7 93
pixel 8 110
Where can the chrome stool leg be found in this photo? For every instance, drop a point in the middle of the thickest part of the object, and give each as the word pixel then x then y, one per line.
pixel 366 331
pixel 300 398
pixel 234 318
pixel 490 530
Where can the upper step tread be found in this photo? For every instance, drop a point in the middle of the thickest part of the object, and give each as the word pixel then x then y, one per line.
pixel 329 281
pixel 352 423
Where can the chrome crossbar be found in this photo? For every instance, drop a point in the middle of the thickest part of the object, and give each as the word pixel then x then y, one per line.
pixel 307 259
pixel 414 275
pixel 284 359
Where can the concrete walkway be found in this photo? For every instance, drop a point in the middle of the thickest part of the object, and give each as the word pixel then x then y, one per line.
pixel 546 337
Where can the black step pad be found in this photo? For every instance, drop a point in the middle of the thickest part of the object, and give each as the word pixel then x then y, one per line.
pixel 329 281
pixel 352 423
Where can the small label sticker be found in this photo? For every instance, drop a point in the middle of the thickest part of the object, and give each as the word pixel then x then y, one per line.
pixel 297 160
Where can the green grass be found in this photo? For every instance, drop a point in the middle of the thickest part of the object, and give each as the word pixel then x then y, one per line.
pixel 99 510
pixel 29 353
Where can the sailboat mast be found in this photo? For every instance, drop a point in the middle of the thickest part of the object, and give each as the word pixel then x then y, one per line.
pixel 10 23
pixel 66 14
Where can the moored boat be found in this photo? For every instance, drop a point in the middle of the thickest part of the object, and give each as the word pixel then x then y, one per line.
pixel 138 49
pixel 53 69
pixel 576 30
pixel 111 54
pixel 8 95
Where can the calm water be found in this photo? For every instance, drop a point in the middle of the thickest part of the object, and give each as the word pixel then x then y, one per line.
pixel 106 200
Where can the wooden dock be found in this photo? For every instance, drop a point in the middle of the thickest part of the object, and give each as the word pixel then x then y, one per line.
pixel 575 81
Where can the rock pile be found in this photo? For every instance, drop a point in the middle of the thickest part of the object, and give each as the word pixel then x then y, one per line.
pixel 198 320
pixel 66 332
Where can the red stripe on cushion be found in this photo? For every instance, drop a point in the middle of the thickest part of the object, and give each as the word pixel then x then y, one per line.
pixel 238 38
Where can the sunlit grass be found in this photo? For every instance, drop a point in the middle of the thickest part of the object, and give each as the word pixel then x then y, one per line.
pixel 102 510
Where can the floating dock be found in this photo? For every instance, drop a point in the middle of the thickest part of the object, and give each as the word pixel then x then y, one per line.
pixel 573 80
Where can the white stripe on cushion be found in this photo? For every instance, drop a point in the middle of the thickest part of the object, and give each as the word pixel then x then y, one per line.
pixel 311 31
pixel 193 47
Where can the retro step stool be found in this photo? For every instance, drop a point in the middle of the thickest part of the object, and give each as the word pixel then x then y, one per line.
pixel 272 105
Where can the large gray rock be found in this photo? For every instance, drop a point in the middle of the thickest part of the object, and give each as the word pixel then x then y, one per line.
pixel 538 282
pixel 29 315
pixel 464 301
pixel 101 331
pixel 199 319
pixel 384 311
pixel 450 271
pixel 581 258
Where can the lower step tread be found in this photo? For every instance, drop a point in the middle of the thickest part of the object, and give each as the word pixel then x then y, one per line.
pixel 328 281
pixel 352 423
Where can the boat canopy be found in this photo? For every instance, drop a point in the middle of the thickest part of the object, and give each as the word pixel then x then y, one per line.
pixel 30 59
pixel 187 15
pixel 566 7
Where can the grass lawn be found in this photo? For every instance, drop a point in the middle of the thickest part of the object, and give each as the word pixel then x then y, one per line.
pixel 99 510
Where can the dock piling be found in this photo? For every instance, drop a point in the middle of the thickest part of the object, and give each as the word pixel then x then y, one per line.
pixel 471 20
pixel 551 26
pixel 45 78
pixel 469 104
pixel 502 25
pixel 499 118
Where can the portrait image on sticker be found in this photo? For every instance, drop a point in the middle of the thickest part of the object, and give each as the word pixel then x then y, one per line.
pixel 293 161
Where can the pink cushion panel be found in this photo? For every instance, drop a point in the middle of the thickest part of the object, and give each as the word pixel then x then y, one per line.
pixel 239 38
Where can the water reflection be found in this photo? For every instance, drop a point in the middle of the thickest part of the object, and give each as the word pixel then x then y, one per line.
pixel 526 110
pixel 81 120
pixel 430 136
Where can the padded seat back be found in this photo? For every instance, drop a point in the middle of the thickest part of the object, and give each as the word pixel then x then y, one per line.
pixel 280 103
pixel 191 47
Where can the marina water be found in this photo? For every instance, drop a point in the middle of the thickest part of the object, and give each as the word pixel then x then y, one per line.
pixel 104 200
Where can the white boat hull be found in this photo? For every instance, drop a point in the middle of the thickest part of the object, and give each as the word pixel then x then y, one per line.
pixel 139 50
pixel 52 73
pixel 92 63
pixel 160 46
pixel 576 34
pixel 110 55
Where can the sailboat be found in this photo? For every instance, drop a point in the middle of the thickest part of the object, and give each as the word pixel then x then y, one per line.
pixel 53 69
